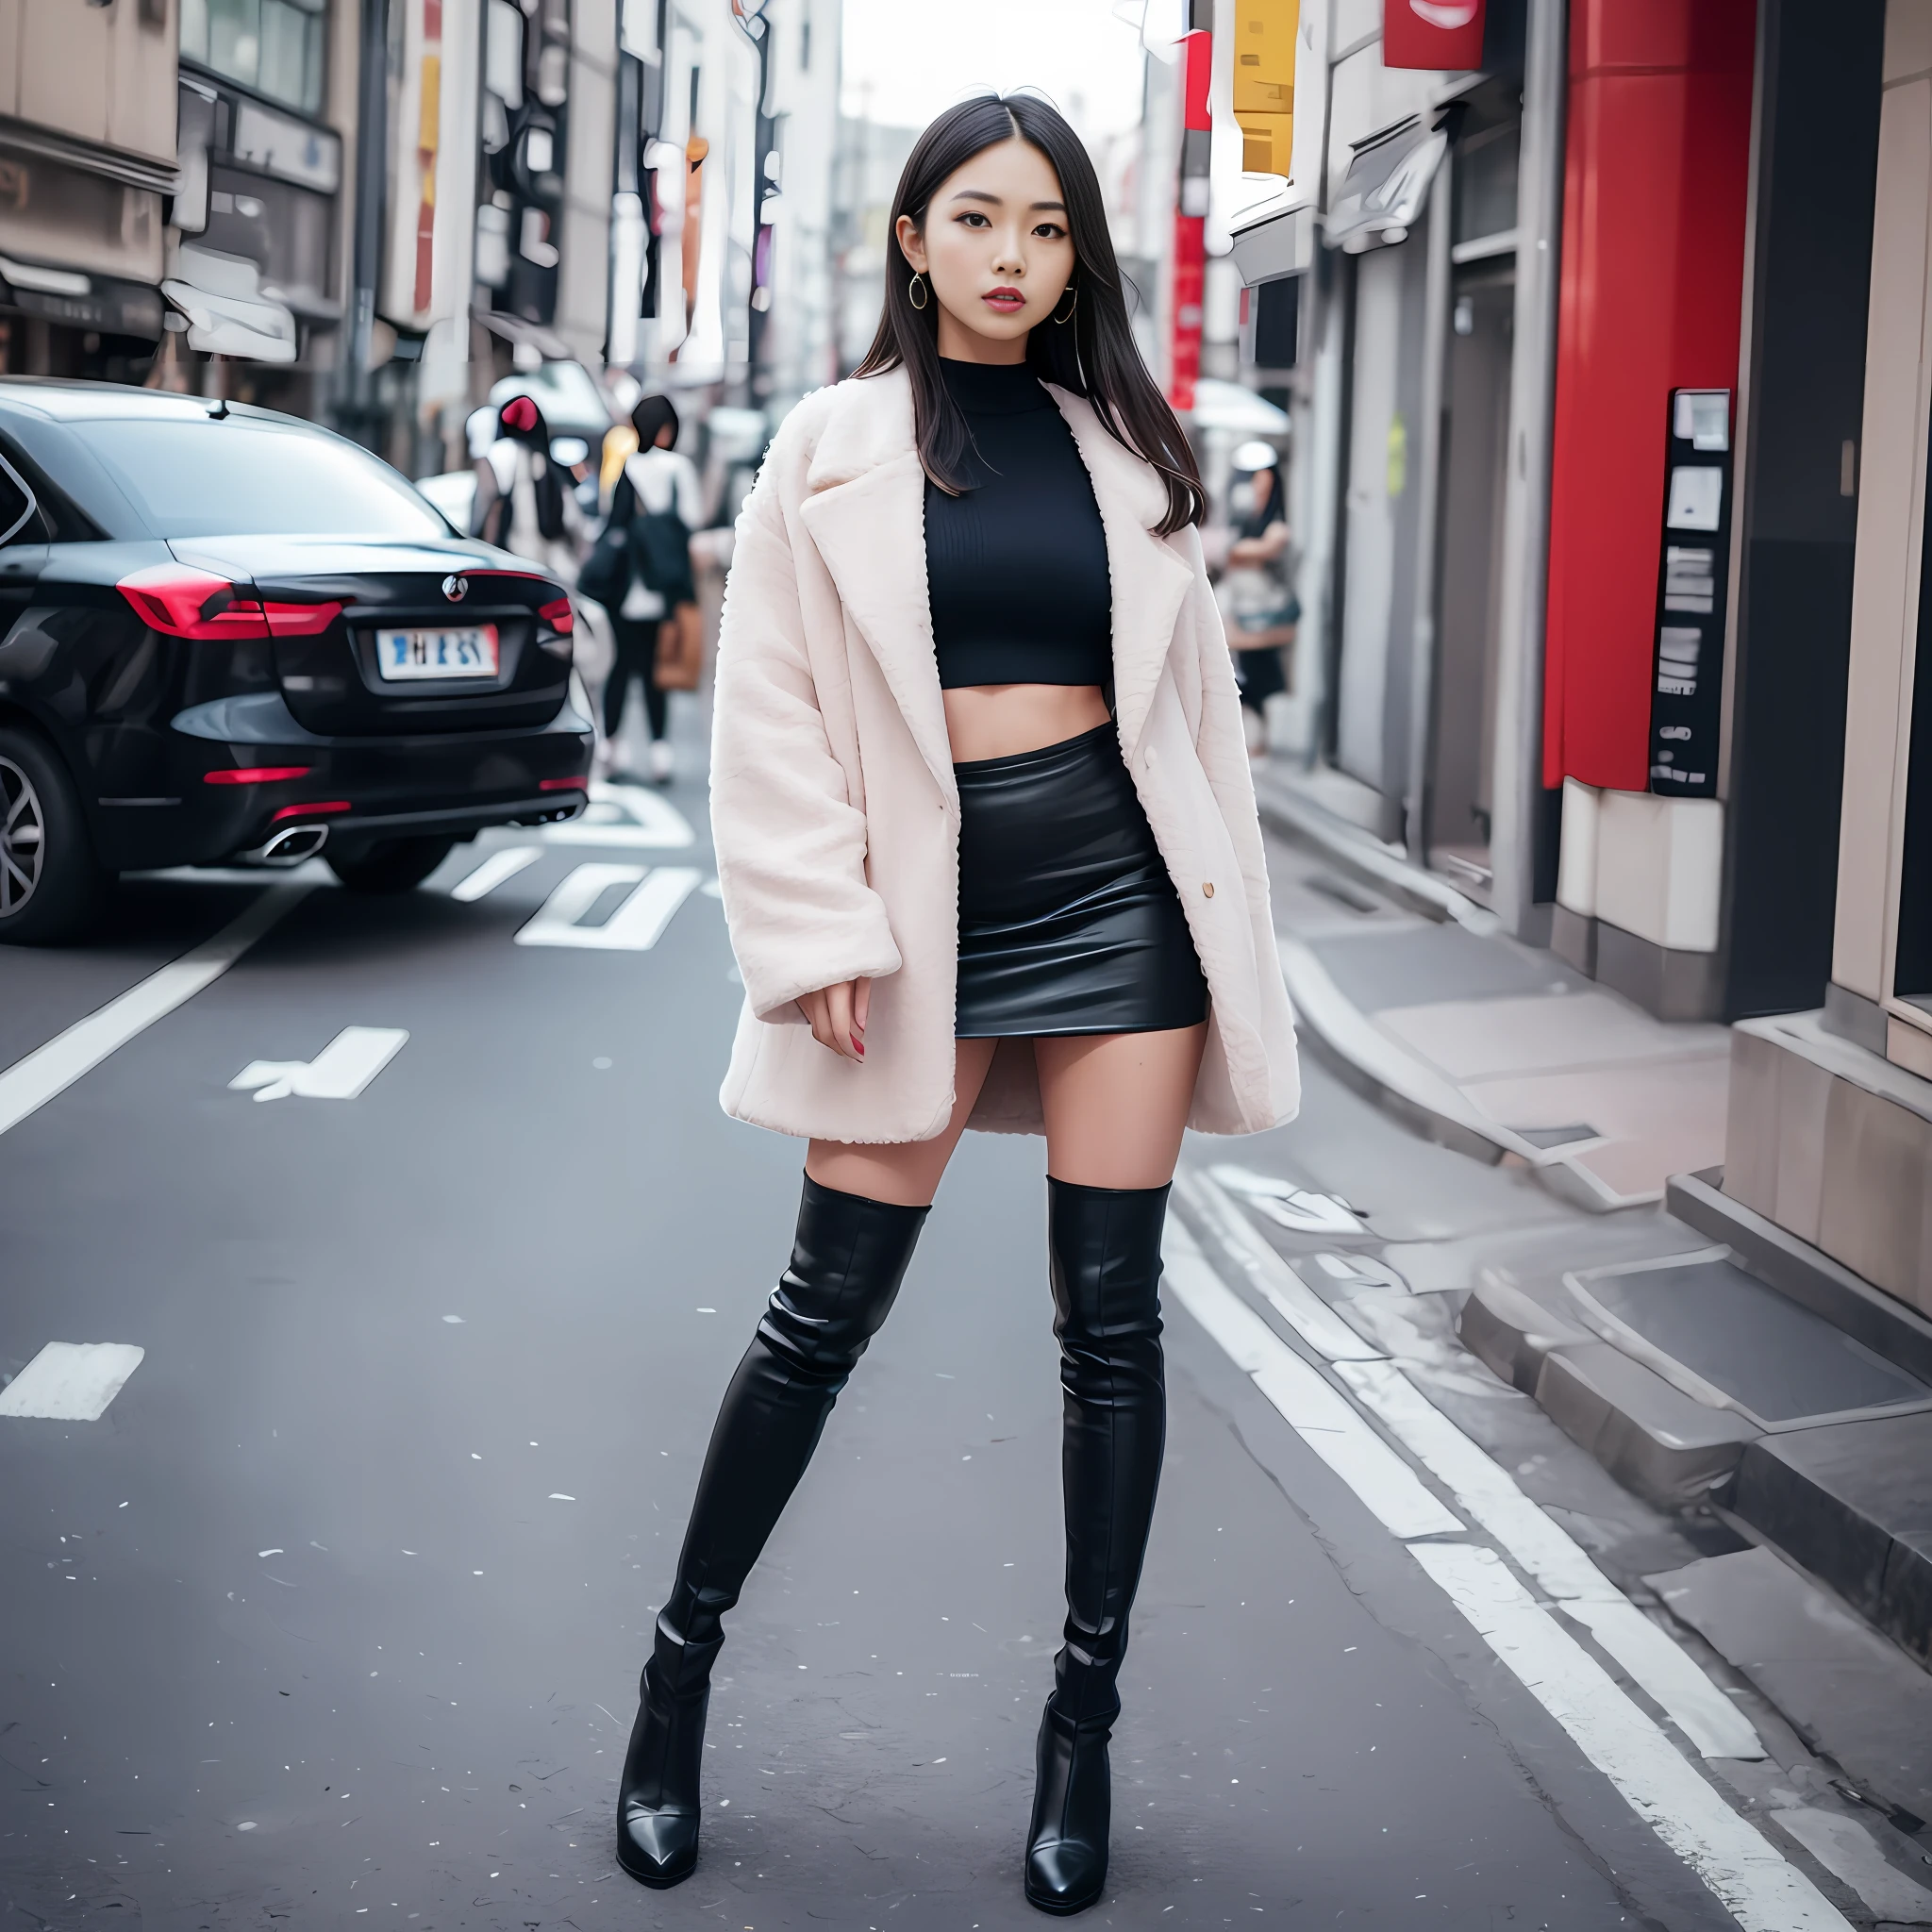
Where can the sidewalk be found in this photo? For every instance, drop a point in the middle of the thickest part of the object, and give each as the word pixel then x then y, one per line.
pixel 1415 995
pixel 1702 1363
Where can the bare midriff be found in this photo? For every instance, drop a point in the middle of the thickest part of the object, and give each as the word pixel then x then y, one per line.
pixel 1000 721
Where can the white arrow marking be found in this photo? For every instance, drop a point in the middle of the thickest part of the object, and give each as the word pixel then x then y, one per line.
pixel 637 925
pixel 498 867
pixel 70 1381
pixel 338 1072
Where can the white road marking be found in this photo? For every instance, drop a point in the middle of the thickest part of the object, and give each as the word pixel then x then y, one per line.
pixel 1545 1550
pixel 51 1069
pixel 340 1071
pixel 1282 1202
pixel 70 1381
pixel 499 866
pixel 1850 1853
pixel 637 925
pixel 1294 1300
pixel 629 815
pixel 1324 1420
pixel 1761 1890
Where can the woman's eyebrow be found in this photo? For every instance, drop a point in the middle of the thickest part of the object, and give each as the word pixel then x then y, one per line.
pixel 996 201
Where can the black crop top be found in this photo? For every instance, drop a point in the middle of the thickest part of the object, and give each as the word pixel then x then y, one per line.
pixel 1017 565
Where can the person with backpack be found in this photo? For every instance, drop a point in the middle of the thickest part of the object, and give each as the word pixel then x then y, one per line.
pixel 643 574
pixel 523 500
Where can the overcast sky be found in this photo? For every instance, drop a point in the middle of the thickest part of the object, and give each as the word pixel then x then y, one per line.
pixel 906 59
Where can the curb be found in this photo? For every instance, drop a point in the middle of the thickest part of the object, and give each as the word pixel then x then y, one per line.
pixel 1350 1045
pixel 1353 850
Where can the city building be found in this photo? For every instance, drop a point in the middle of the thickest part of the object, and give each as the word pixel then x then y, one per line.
pixel 87 165
pixel 1606 357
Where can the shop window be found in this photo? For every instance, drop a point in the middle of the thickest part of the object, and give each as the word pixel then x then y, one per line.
pixel 1485 176
pixel 275 46
pixel 1912 961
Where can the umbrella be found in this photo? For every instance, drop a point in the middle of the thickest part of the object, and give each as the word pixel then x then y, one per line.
pixel 1220 405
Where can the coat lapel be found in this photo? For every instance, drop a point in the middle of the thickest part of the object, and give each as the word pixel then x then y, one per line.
pixel 1148 580
pixel 865 508
pixel 866 512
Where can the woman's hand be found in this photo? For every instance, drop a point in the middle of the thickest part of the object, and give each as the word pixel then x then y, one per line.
pixel 838 1016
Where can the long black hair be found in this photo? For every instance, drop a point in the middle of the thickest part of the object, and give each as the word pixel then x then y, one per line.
pixel 649 419
pixel 522 422
pixel 1094 354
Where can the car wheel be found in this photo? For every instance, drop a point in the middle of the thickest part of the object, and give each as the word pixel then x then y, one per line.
pixel 51 883
pixel 393 866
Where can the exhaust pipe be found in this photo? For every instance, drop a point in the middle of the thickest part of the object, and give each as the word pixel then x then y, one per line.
pixel 289 846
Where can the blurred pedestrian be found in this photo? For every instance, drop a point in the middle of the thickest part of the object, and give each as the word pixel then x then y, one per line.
pixel 1256 591
pixel 524 503
pixel 657 503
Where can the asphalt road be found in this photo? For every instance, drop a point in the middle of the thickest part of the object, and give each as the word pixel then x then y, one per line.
pixel 338 1610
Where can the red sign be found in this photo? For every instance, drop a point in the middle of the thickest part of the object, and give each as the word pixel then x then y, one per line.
pixel 1199 49
pixel 1190 276
pixel 1446 34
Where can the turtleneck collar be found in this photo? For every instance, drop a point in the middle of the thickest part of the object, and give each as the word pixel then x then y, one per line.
pixel 993 388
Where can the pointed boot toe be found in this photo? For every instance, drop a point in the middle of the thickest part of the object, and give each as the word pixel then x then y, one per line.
pixel 659 1847
pixel 1065 1875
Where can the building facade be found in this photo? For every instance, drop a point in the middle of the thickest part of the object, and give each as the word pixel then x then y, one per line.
pixel 86 168
pixel 1610 472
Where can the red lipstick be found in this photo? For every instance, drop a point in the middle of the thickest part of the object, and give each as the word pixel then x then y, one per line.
pixel 1008 301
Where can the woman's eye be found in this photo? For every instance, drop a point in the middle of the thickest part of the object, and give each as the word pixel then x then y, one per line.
pixel 974 219
pixel 1050 231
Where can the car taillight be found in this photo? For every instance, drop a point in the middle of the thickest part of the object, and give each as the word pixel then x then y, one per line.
pixel 563 785
pixel 182 602
pixel 256 774
pixel 301 619
pixel 558 616
pixel 311 811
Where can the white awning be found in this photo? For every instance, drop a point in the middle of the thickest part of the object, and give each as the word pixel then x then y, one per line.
pixel 233 324
pixel 1381 197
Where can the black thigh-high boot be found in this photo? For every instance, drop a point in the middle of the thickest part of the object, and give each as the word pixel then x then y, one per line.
pixel 847 1261
pixel 1105 1262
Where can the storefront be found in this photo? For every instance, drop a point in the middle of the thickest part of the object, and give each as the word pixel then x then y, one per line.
pixel 254 273
pixel 87 156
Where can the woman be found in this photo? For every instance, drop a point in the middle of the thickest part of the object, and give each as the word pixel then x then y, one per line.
pixel 1256 593
pixel 658 500
pixel 987 848
pixel 523 500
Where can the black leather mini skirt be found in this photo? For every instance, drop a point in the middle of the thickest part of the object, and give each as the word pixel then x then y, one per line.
pixel 1069 923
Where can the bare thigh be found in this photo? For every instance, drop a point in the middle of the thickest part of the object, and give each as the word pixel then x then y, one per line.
pixel 1117 1104
pixel 906 1173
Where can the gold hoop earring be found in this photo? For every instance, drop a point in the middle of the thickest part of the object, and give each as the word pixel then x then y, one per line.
pixel 1072 304
pixel 916 291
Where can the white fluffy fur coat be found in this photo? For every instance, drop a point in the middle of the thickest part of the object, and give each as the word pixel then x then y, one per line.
pixel 835 812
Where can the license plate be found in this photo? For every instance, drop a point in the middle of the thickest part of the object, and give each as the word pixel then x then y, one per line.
pixel 417 654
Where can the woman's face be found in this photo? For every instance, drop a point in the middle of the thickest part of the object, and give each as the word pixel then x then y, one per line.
pixel 995 249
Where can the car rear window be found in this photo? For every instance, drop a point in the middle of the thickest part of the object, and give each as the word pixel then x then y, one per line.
pixel 239 477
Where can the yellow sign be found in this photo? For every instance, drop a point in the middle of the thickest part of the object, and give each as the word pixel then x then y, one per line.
pixel 1264 48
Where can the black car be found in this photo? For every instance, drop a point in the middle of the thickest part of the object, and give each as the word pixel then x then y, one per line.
pixel 226 635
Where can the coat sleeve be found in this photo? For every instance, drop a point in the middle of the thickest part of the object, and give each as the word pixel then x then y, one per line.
pixel 790 844
pixel 1218 736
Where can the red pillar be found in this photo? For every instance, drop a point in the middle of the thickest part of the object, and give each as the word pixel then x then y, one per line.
pixel 1657 156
